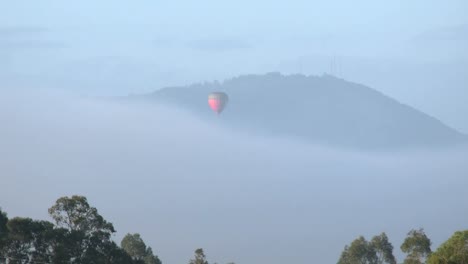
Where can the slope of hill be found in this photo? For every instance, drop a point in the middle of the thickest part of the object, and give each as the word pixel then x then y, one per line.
pixel 324 109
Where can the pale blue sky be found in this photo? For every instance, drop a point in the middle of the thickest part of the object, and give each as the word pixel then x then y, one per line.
pixel 414 51
pixel 241 15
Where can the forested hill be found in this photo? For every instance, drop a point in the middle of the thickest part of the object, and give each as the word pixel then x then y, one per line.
pixel 321 109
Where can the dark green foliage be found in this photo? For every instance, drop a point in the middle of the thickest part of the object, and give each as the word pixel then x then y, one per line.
pixel 136 248
pixel 29 239
pixel 417 246
pixel 88 235
pixel 378 251
pixel 3 227
pixel 359 252
pixel 384 249
pixel 200 257
pixel 116 255
pixel 80 236
pixel 76 214
pixel 452 251
pixel 150 258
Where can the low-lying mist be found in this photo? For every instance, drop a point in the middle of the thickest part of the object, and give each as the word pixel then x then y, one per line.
pixel 183 183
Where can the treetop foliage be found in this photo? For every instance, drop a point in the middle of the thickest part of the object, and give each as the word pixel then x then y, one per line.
pixel 80 235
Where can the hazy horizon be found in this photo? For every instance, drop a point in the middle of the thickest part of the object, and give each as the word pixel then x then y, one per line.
pixel 185 183
pixel 413 51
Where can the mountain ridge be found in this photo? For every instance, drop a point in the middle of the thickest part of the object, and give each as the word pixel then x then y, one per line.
pixel 323 109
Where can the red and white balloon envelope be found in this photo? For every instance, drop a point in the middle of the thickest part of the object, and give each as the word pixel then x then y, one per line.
pixel 217 101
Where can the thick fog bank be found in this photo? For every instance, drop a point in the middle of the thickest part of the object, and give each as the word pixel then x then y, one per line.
pixel 184 184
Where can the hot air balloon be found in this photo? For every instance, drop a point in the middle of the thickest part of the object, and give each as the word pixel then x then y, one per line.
pixel 218 101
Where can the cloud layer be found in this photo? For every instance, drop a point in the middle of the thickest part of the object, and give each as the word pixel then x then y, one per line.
pixel 184 184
